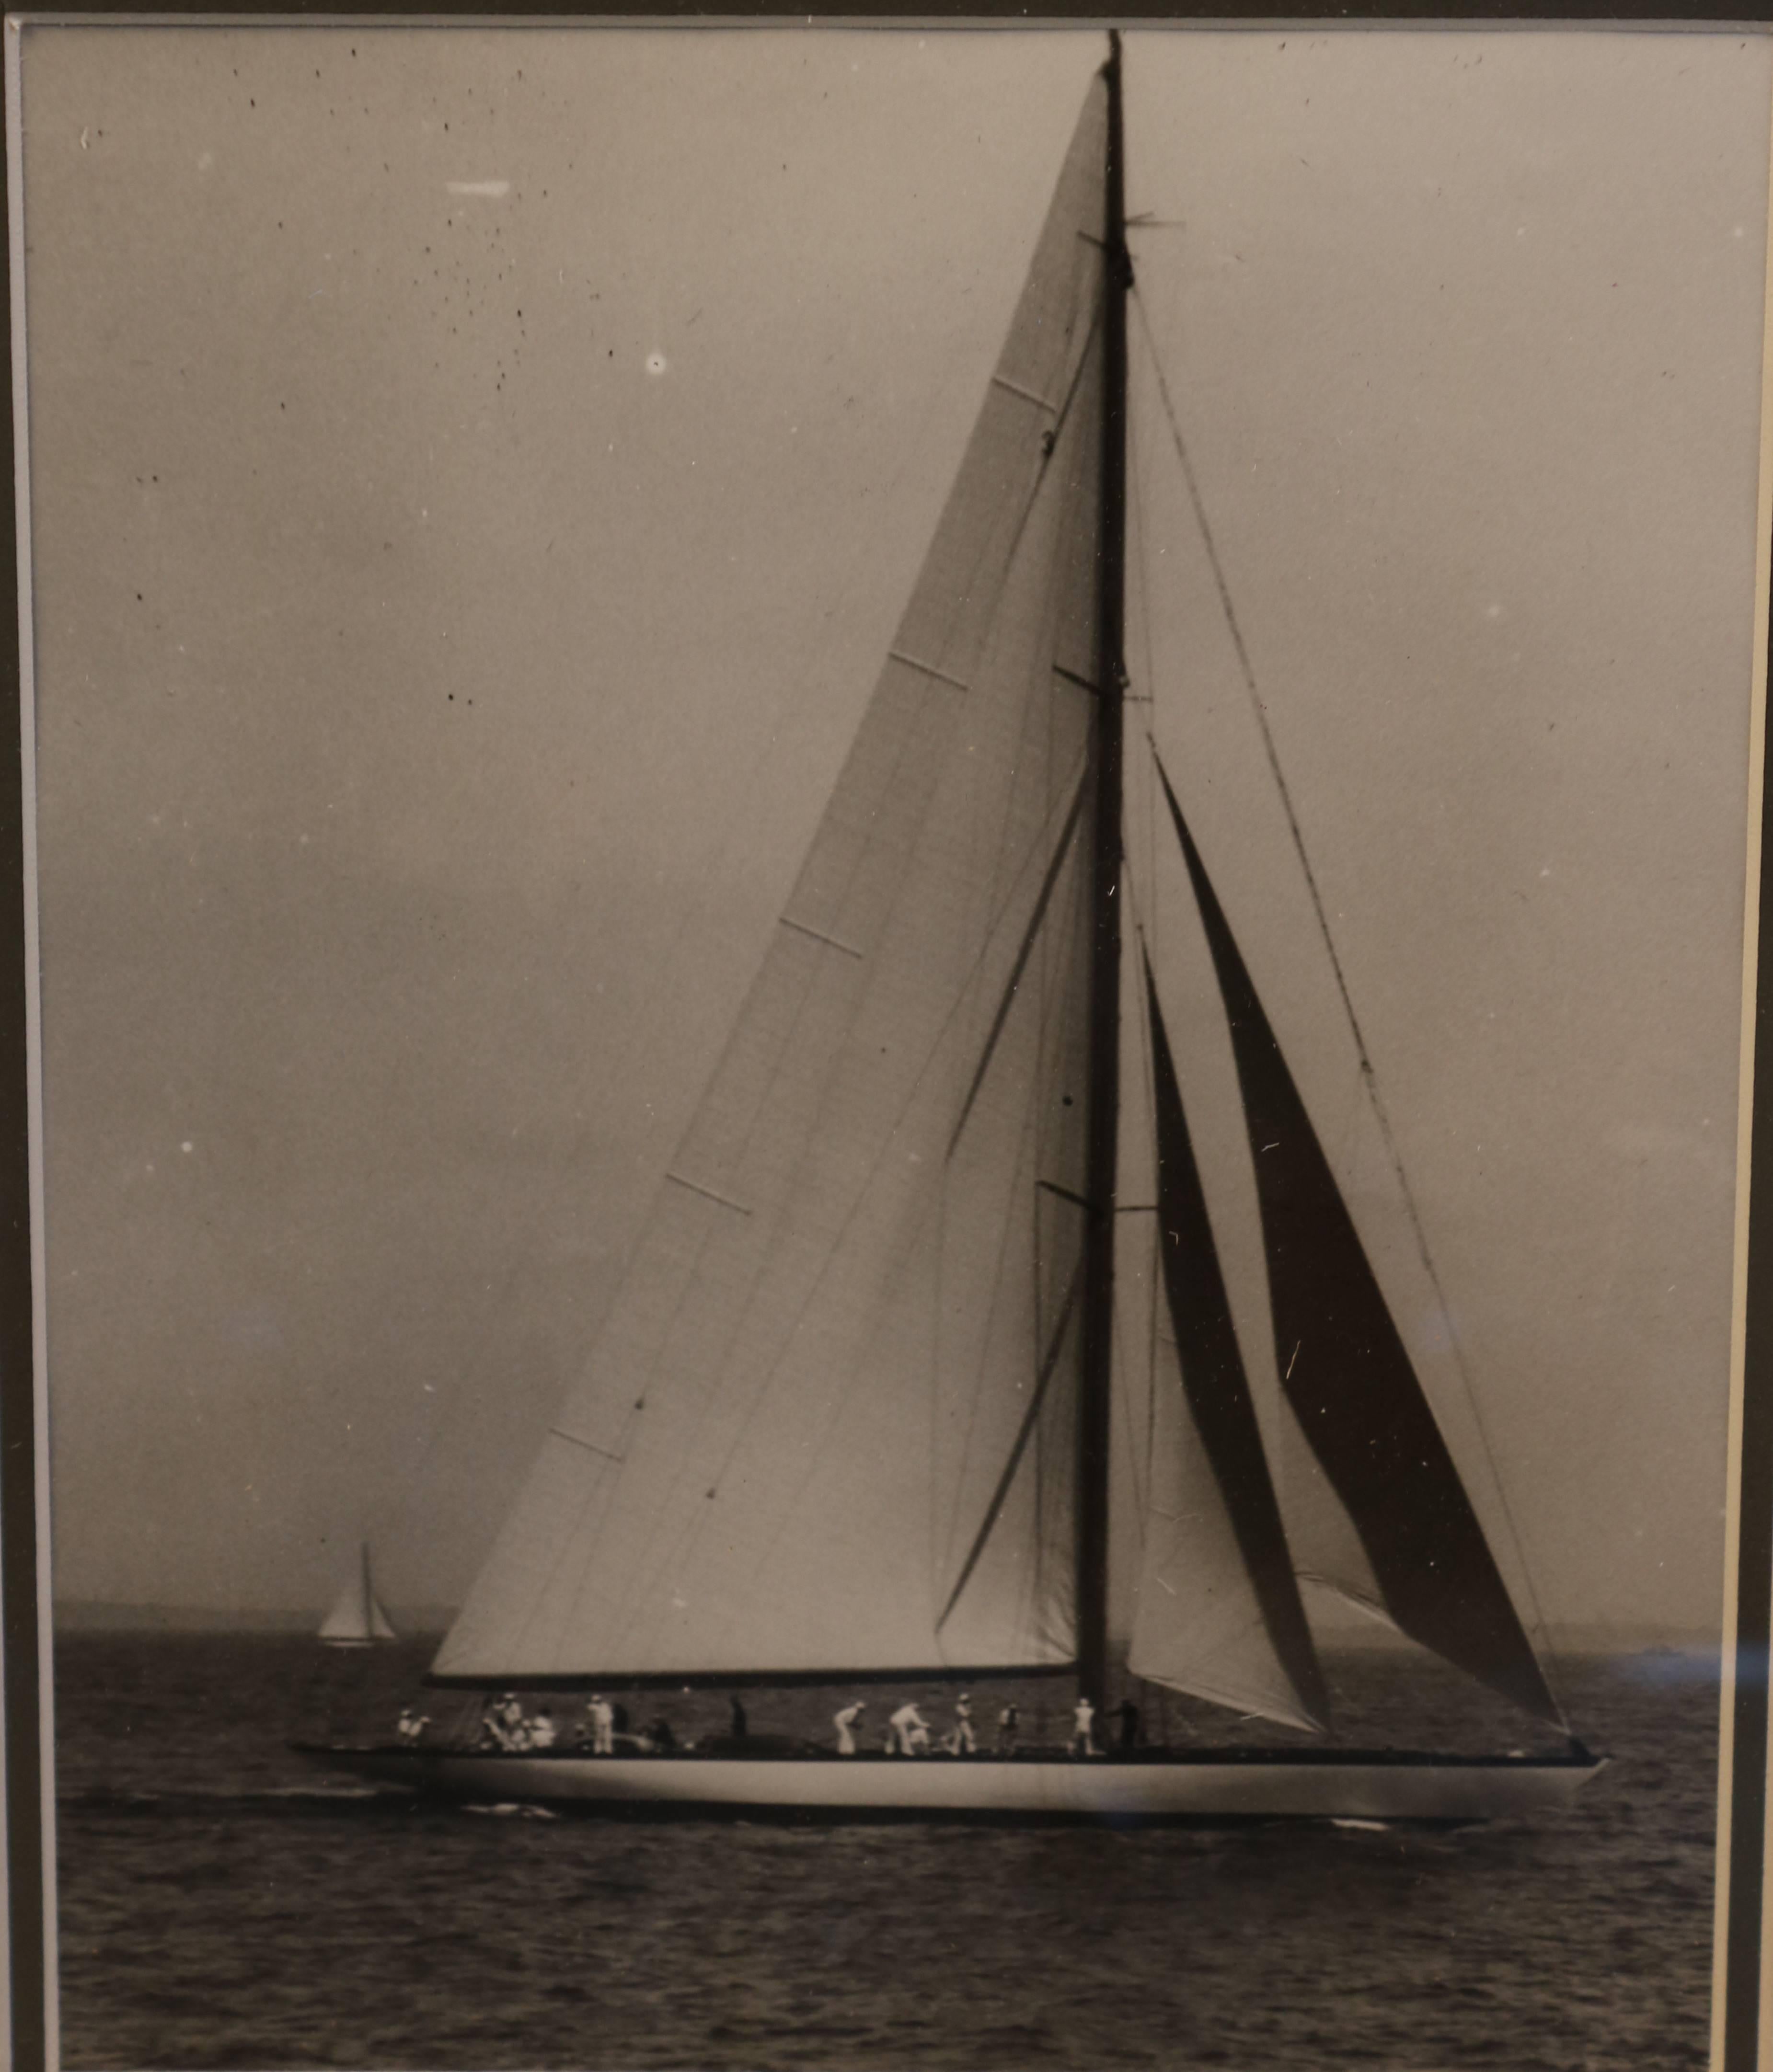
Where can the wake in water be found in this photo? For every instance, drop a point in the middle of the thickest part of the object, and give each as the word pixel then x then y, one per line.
pixel 277 1801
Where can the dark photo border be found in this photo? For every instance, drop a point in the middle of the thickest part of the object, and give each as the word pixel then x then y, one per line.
pixel 1744 1964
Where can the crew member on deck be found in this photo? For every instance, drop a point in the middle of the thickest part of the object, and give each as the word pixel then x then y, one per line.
pixel 1009 1727
pixel 912 1729
pixel 498 1723
pixel 740 1726
pixel 846 1722
pixel 410 1726
pixel 1128 1714
pixel 962 1740
pixel 541 1729
pixel 602 1718
pixel 1082 1718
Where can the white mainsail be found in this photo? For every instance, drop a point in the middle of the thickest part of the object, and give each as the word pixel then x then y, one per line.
pixel 828 1424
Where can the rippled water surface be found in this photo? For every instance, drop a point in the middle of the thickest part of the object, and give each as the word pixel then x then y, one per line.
pixel 222 1906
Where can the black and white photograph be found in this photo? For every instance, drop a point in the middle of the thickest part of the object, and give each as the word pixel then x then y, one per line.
pixel 886 892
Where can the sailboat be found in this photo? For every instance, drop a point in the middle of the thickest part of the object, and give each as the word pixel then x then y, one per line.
pixel 358 1620
pixel 849 1422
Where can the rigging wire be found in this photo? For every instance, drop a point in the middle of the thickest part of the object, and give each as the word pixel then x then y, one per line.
pixel 1369 1077
pixel 1149 1273
pixel 1146 904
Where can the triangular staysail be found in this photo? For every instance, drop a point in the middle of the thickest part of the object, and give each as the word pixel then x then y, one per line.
pixel 1219 1611
pixel 1344 1370
pixel 1335 1576
pixel 794 1434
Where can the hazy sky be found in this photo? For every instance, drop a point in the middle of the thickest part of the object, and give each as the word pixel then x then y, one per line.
pixel 475 474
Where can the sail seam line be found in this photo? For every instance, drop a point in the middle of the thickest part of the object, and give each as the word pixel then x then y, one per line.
pixel 1049 444
pixel 1028 1150
pixel 1071 677
pixel 572 1439
pixel 1061 850
pixel 708 1193
pixel 1361 1602
pixel 926 669
pixel 1027 395
pixel 818 935
pixel 1055 1345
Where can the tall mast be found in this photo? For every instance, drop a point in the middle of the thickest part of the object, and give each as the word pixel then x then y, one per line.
pixel 1095 1394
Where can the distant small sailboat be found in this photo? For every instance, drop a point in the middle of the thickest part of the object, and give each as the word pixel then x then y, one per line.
pixel 849 1419
pixel 358 1620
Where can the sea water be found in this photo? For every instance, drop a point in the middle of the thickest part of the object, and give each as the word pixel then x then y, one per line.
pixel 223 1905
